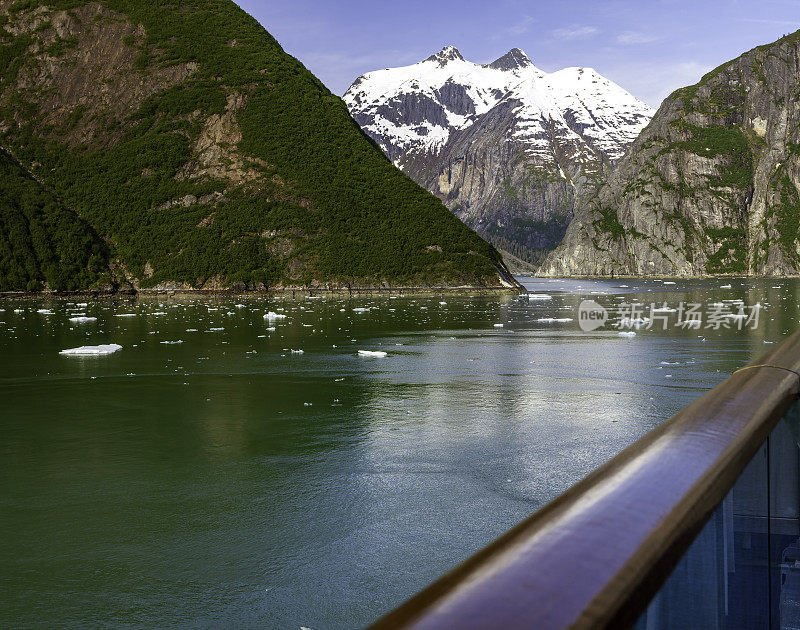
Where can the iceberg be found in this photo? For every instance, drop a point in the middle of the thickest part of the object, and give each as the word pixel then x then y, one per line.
pixel 109 348
pixel 372 353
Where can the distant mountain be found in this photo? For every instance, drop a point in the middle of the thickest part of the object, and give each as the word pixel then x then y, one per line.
pixel 510 149
pixel 712 186
pixel 202 156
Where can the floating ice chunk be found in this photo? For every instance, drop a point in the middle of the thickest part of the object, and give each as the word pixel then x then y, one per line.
pixel 360 309
pixel 372 353
pixel 271 329
pixel 191 330
pixel 539 296
pixel 82 319
pixel 273 315
pixel 109 348
pixel 297 352
pixel 668 282
pixel 125 315
pixel 554 320
pixel 498 325
pixel 725 286
pixel 626 333
pixel 45 311
pixel 442 303
pixel 171 343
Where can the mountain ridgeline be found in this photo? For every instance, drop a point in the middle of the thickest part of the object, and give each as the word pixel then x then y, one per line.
pixel 709 187
pixel 177 146
pixel 510 149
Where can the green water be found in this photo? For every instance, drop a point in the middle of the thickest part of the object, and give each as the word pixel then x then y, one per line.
pixel 227 482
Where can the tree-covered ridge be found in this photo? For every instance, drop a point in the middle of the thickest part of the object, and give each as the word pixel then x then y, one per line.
pixel 42 243
pixel 208 157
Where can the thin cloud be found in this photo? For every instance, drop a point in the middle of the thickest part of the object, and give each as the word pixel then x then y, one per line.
pixel 790 23
pixel 574 32
pixel 629 38
pixel 521 27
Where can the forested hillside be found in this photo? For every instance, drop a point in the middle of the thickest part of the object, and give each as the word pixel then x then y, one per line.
pixel 206 157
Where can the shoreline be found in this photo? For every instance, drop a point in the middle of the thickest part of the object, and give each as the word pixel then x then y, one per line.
pixel 276 293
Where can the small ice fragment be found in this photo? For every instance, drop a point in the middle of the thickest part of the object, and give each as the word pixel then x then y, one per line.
pixel 668 282
pixel 172 342
pixel 125 315
pixel 628 333
pixel 271 329
pixel 92 350
pixel 297 352
pixel 442 303
pixel 539 296
pixel 498 325
pixel 554 320
pixel 273 315
pixel 82 319
pixel 725 286
pixel 371 353
pixel 360 309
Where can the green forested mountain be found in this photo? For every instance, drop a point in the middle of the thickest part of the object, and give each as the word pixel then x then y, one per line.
pixel 206 157
pixel 42 242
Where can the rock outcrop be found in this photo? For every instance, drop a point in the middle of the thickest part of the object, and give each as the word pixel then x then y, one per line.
pixel 709 187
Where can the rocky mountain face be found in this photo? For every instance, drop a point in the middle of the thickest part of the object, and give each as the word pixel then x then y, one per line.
pixel 196 154
pixel 510 149
pixel 709 187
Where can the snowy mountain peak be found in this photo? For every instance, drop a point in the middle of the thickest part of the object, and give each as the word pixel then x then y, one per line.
pixel 448 53
pixel 513 59
pixel 512 150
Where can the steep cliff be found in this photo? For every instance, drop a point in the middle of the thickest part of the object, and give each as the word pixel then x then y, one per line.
pixel 709 187
pixel 206 157
pixel 510 149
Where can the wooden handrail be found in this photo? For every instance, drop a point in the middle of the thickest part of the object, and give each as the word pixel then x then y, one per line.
pixel 596 555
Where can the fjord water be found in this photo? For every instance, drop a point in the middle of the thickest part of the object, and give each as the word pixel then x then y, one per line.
pixel 226 481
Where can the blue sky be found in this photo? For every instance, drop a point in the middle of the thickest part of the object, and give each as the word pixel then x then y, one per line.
pixel 649 47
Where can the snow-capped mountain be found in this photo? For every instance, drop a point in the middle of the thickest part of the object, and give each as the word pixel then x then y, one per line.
pixel 509 148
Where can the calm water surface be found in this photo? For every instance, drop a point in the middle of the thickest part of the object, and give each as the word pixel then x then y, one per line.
pixel 227 482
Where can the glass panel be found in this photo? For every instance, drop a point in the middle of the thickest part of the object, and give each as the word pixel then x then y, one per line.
pixel 784 532
pixel 743 569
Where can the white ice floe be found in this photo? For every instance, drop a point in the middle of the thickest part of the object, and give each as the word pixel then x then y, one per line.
pixel 360 309
pixel 109 348
pixel 82 320
pixel 45 311
pixel 668 282
pixel 125 315
pixel 297 352
pixel 498 325
pixel 554 320
pixel 170 343
pixel 539 296
pixel 628 333
pixel 725 286
pixel 372 353
pixel 273 316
